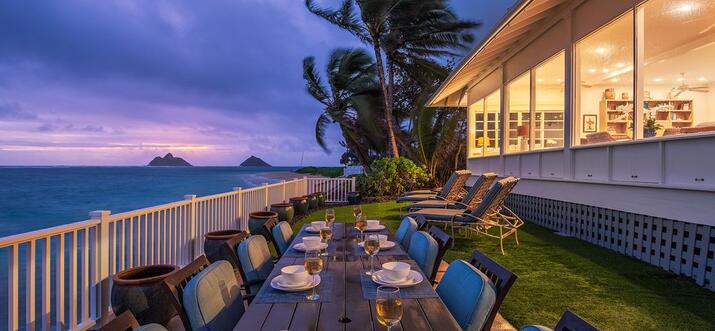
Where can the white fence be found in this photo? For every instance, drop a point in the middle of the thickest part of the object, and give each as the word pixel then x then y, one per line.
pixel 66 269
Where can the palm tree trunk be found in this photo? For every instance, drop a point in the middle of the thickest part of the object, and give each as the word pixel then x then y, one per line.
pixel 391 140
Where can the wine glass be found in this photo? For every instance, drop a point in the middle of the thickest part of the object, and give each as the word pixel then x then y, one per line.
pixel 326 233
pixel 330 216
pixel 361 224
pixel 313 263
pixel 372 247
pixel 389 306
pixel 356 210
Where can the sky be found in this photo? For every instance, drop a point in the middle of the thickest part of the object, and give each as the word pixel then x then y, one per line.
pixel 118 82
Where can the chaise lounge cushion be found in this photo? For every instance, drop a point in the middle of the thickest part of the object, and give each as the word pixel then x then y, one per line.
pixel 416 197
pixel 468 294
pixel 439 214
pixel 212 299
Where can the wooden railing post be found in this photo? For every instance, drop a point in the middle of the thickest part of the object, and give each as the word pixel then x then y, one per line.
pixel 100 293
pixel 265 195
pixel 239 213
pixel 192 226
pixel 283 183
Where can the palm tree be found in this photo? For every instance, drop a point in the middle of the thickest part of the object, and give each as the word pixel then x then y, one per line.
pixel 406 33
pixel 351 84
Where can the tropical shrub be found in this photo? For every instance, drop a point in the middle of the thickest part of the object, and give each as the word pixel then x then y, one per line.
pixel 391 177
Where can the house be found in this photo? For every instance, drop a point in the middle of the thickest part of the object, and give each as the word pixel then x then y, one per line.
pixel 606 110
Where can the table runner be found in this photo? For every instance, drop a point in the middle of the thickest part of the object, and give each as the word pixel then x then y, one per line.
pixel 267 294
pixel 397 250
pixel 421 290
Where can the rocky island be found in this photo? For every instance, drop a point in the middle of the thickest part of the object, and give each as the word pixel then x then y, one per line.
pixel 254 162
pixel 168 161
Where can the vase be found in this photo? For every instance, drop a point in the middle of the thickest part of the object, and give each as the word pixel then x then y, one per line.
pixel 354 198
pixel 321 198
pixel 312 201
pixel 216 250
pixel 257 219
pixel 285 211
pixel 140 290
pixel 300 205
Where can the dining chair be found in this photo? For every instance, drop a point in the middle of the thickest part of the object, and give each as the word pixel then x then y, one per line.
pixel 569 322
pixel 404 232
pixel 501 278
pixel 444 242
pixel 282 235
pixel 207 296
pixel 255 262
pixel 126 321
pixel 423 250
pixel 468 295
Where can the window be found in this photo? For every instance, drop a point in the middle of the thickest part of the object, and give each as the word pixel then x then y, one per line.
pixel 549 103
pixel 605 83
pixel 484 126
pixel 519 110
pixel 678 67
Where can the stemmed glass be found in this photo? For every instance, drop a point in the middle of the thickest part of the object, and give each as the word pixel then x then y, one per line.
pixel 356 210
pixel 326 233
pixel 361 224
pixel 313 263
pixel 389 306
pixel 330 216
pixel 372 247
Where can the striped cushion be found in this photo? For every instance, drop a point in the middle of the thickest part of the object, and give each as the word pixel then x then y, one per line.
pixel 212 299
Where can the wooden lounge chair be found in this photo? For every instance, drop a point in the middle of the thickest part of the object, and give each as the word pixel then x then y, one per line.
pixel 568 322
pixel 470 201
pixel 501 278
pixel 451 190
pixel 490 213
pixel 127 322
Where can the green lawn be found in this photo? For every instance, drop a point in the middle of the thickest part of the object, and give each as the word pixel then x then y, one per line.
pixel 323 171
pixel 612 291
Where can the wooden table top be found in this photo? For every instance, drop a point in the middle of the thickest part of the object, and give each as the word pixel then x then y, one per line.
pixel 419 314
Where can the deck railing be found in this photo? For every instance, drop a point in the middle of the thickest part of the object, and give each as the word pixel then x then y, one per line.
pixel 67 268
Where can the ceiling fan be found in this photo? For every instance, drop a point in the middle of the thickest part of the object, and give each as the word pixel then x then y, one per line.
pixel 683 87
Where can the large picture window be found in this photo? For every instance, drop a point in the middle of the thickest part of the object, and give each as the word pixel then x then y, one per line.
pixel 484 126
pixel 604 83
pixel 519 110
pixel 678 67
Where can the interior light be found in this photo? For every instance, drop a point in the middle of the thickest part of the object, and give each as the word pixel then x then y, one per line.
pixel 686 8
pixel 558 80
pixel 680 79
pixel 615 80
pixel 605 70
pixel 601 50
pixel 702 79
pixel 658 80
pixel 592 70
pixel 620 65
pixel 539 80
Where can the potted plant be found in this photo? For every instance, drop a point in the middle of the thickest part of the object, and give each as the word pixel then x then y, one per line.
pixel 651 127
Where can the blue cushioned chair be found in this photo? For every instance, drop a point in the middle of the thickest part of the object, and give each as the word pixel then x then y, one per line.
pixel 468 294
pixel 212 299
pixel 568 322
pixel 424 250
pixel 404 233
pixel 282 237
pixel 255 262
pixel 126 321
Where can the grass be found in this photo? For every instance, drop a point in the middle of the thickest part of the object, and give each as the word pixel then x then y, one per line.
pixel 612 291
pixel 331 172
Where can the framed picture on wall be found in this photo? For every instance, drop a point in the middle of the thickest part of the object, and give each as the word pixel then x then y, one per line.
pixel 590 123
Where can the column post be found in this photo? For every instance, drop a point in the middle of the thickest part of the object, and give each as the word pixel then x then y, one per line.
pixel 192 225
pixel 100 299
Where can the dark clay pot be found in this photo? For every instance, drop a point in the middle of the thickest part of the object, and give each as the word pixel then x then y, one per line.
pixel 285 211
pixel 300 205
pixel 354 198
pixel 312 201
pixel 140 291
pixel 216 250
pixel 321 198
pixel 257 219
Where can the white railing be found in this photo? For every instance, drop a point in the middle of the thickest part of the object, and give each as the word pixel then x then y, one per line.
pixel 67 268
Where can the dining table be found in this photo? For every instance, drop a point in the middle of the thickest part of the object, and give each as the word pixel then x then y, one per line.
pixel 347 294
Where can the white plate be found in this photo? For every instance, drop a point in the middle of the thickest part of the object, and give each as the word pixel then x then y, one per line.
pixel 301 247
pixel 276 284
pixel 377 228
pixel 383 245
pixel 414 278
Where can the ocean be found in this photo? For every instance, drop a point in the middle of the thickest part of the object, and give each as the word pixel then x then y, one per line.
pixel 33 198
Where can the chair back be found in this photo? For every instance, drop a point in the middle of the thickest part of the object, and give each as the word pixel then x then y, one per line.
pixel 212 299
pixel 494 198
pixel 125 321
pixel 282 237
pixel 254 258
pixel 421 221
pixel 444 242
pixel 447 185
pixel 500 277
pixel 477 191
pixel 456 189
pixel 468 295
pixel 572 322
pixel 404 232
pixel 177 282
pixel 424 249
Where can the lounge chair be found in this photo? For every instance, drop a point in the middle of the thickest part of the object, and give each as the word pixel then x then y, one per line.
pixel 568 322
pixel 469 201
pixel 126 321
pixel 429 191
pixel 490 213
pixel 451 190
pixel 207 296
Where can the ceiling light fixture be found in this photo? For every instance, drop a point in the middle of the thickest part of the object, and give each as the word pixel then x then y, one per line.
pixel 680 79
pixel 539 80
pixel 686 8
pixel 702 79
pixel 601 50
pixel 658 80
pixel 615 80
pixel 620 65
pixel 592 70
pixel 605 70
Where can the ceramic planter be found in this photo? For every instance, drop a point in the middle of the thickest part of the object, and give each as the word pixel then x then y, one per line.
pixel 321 198
pixel 257 219
pixel 216 250
pixel 140 291
pixel 312 201
pixel 300 205
pixel 285 211
pixel 354 198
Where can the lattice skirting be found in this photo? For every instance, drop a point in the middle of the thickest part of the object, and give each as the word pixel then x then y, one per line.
pixel 680 247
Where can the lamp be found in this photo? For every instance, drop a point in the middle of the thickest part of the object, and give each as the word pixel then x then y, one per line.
pixel 522 131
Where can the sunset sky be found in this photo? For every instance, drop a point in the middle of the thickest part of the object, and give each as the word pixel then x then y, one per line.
pixel 119 82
